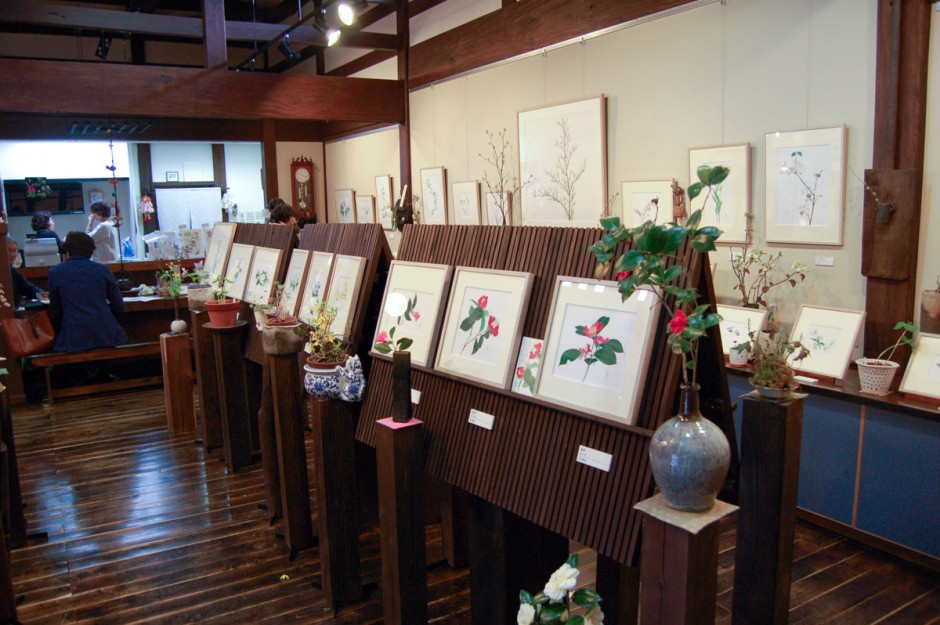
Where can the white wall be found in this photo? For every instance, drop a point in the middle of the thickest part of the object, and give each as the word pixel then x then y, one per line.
pixel 244 175
pixel 189 162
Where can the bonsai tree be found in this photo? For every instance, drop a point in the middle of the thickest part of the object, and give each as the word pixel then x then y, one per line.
pixel 322 345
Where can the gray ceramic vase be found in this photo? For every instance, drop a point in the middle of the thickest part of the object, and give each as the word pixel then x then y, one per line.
pixel 690 456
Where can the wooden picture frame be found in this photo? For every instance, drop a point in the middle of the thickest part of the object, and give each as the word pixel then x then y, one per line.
pixel 922 376
pixel 737 323
pixel 385 202
pixel 238 268
pixel 345 205
pixel 262 275
pixel 728 206
pixel 425 286
pixel 316 284
pixel 484 348
pixel 589 317
pixel 365 209
pixel 467 203
pixel 647 200
pixel 830 335
pixel 344 292
pixel 528 363
pixel 434 195
pixel 221 239
pixel 294 281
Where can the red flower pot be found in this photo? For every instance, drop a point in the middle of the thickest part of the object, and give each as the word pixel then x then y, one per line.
pixel 223 315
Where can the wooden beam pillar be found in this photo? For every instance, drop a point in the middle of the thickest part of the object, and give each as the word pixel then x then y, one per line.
pixel 213 12
pixel 404 130
pixel 900 123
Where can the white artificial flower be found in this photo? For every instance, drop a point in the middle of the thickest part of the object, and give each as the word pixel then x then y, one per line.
pixel 798 266
pixel 561 582
pixel 596 617
pixel 526 614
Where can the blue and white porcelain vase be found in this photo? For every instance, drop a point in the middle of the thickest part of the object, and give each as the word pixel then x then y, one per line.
pixel 690 456
pixel 346 382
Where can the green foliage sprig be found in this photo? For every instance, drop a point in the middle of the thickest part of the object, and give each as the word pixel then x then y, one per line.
pixel 550 606
pixel 905 327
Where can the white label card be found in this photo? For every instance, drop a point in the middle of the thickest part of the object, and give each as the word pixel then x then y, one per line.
pixel 415 396
pixel 594 458
pixel 482 419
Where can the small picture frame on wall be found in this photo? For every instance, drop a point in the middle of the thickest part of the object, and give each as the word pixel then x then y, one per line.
pixel 649 200
pixel 95 195
pixel 365 209
pixel 172 176
pixel 385 202
pixel 434 195
pixel 467 203
pixel 345 205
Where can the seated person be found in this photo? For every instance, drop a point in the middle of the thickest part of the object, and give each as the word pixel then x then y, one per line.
pixel 281 213
pixel 103 232
pixel 45 228
pixel 85 301
pixel 23 289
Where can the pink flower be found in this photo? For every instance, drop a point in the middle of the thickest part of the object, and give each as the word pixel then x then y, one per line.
pixel 536 350
pixel 585 351
pixel 382 337
pixel 493 325
pixel 678 323
pixel 600 340
pixel 417 316
pixel 623 275
pixel 483 301
pixel 592 330
pixel 520 372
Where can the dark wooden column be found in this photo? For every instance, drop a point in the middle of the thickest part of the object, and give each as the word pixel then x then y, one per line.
pixel 13 494
pixel 619 585
pixel 900 123
pixel 7 598
pixel 214 28
pixel 207 387
pixel 267 436
pixel 233 396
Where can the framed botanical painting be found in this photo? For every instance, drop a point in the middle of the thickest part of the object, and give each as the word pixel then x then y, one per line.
pixel 499 209
pixel 434 195
pixel 365 209
pixel 805 186
pixel 220 244
pixel 482 329
pixel 315 284
pixel 191 244
pixel 421 287
pixel 597 348
pixel 344 290
pixel 649 200
pixel 262 276
pixel 467 203
pixel 239 265
pixel 563 162
pixel 923 370
pixel 728 205
pixel 294 281
pixel 345 205
pixel 737 323
pixel 830 335
pixel 527 366
pixel 385 201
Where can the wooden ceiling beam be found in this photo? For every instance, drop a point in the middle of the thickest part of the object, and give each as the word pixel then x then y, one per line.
pixel 365 61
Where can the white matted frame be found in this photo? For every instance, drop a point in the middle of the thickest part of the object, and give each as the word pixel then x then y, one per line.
pixel 922 376
pixel 345 205
pixel 649 200
pixel 316 284
pixel 563 163
pixel 434 195
pixel 345 287
pixel 728 205
pixel 385 201
pixel 426 287
pixel 528 364
pixel 805 186
pixel 737 323
pixel 830 335
pixel 238 268
pixel 365 209
pixel 590 322
pixel 499 212
pixel 467 203
pixel 294 281
pixel 483 325
pixel 220 245
pixel 262 276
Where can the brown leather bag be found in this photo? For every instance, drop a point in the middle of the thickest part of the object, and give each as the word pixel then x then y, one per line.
pixel 30 335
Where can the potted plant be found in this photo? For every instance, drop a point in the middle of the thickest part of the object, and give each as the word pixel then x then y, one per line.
pixel 876 374
pixel 171 277
pixel 278 327
pixel 930 309
pixel 222 309
pixel 756 272
pixel 771 363
pixel 325 350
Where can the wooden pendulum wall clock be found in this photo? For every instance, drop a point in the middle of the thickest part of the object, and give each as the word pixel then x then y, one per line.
pixel 301 173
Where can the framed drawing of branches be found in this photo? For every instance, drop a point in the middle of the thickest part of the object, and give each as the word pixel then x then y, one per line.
pixel 467 203
pixel 805 186
pixel 650 200
pixel 365 209
pixel 384 201
pixel 728 206
pixel 563 163
pixel 434 195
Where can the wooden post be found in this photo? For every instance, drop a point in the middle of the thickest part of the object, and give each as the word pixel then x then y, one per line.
pixel 454 526
pixel 267 435
pixel 14 493
pixel 291 453
pixel 334 441
pixel 207 382
pixel 400 456
pixel 679 567
pixel 770 468
pixel 178 382
pixel 233 396
pixel 7 598
pixel 619 586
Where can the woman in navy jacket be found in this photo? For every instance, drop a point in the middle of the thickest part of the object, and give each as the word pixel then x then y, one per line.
pixel 85 301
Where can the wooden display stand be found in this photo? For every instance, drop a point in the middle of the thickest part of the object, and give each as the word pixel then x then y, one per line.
pixel 770 468
pixel 7 598
pixel 207 387
pixel 178 382
pixel 12 492
pixel 233 396
pixel 267 435
pixel 679 569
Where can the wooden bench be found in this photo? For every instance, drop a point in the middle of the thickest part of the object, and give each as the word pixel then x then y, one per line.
pixel 135 350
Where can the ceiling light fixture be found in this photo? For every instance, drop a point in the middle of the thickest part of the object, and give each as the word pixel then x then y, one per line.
pixel 349 10
pixel 104 44
pixel 285 49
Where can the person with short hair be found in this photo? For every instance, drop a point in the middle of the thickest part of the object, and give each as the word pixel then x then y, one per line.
pixel 23 289
pixel 44 227
pixel 280 212
pixel 103 232
pixel 85 303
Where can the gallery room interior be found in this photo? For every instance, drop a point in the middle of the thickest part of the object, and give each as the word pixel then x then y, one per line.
pixel 470 311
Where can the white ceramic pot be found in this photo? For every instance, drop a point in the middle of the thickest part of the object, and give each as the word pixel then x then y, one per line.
pixel 738 357
pixel 875 376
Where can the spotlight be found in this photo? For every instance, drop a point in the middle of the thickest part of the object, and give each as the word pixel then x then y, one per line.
pixel 104 44
pixel 284 47
pixel 347 13
pixel 332 36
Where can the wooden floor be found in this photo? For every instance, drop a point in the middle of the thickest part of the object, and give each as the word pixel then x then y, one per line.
pixel 143 529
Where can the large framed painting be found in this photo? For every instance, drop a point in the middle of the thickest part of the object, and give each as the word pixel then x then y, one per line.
pixel 830 335
pixel 365 209
pixel 413 305
pixel 922 376
pixel 649 200
pixel 483 324
pixel 467 203
pixel 597 348
pixel 343 294
pixel 805 186
pixel 294 281
pixel 315 284
pixel 261 277
pixel 728 205
pixel 385 201
pixel 563 163
pixel 237 269
pixel 434 195
pixel 737 323
pixel 220 244
pixel 499 209
pixel 345 205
